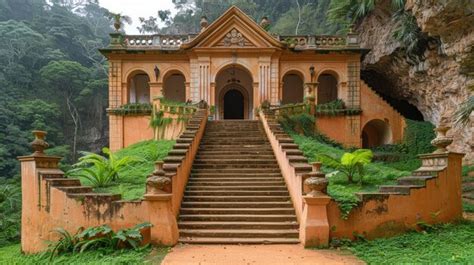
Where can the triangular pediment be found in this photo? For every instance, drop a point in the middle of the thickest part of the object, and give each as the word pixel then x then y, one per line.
pixel 234 29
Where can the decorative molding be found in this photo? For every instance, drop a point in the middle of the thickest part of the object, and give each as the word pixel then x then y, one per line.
pixel 234 38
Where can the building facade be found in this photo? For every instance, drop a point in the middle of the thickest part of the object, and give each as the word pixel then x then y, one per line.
pixel 235 65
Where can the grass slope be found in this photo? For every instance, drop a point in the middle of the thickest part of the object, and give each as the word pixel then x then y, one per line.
pixel 131 183
pixel 445 244
pixel 377 173
pixel 12 255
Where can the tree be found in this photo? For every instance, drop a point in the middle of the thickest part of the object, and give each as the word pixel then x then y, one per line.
pixel 67 78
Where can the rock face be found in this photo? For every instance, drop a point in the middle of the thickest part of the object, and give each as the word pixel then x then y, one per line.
pixel 444 80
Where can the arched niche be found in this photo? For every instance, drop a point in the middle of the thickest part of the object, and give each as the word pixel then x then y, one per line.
pixel 234 77
pixel 138 87
pixel 174 86
pixel 293 88
pixel 376 133
pixel 327 87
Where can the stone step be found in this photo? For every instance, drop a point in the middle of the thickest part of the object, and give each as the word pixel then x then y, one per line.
pixel 237 170
pixel 239 204
pixel 234 161
pixel 76 189
pixel 233 156
pixel 233 188
pixel 236 240
pixel 189 211
pixel 213 183
pixel 237 175
pixel 244 193
pixel 248 181
pixel 237 225
pixel 63 182
pixel 297 159
pixel 242 233
pixel 301 167
pixel 289 146
pixel 402 189
pixel 414 180
pixel 293 152
pixel 234 152
pixel 239 217
pixel 236 198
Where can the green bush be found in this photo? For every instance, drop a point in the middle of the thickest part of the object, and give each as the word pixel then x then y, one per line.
pixel 350 164
pixel 10 211
pixel 100 170
pixel 99 237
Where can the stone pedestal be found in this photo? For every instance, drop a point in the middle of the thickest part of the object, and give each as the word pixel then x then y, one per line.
pixel 314 227
pixel 165 228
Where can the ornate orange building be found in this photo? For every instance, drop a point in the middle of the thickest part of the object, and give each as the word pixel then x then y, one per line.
pixel 234 65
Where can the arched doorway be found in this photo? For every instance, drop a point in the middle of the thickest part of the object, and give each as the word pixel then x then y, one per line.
pixel 376 133
pixel 233 105
pixel 327 88
pixel 293 90
pixel 174 87
pixel 138 88
pixel 233 93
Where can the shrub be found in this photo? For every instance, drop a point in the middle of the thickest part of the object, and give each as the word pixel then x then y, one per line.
pixel 10 211
pixel 99 237
pixel 350 163
pixel 100 170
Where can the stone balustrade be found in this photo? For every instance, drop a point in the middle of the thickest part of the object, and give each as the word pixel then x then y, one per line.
pixel 170 41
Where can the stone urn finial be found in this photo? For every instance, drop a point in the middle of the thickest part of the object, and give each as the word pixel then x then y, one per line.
pixel 203 23
pixel 158 182
pixel 264 23
pixel 316 180
pixel 39 144
pixel 442 140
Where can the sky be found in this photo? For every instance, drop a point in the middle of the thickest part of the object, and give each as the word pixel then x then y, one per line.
pixel 136 9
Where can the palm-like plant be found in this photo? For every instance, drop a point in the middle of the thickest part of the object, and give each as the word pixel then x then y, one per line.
pixel 462 115
pixel 350 164
pixel 119 20
pixel 100 170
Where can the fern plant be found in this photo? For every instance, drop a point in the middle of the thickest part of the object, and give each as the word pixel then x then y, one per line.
pixel 101 170
pixel 99 237
pixel 350 164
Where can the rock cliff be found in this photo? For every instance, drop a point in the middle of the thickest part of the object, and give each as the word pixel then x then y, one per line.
pixel 444 80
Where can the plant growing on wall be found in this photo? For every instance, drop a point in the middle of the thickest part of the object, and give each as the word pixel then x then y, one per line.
pixel 350 164
pixel 132 109
pixel 100 170
pixel 99 237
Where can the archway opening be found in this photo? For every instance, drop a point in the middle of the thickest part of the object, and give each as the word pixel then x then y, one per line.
pixel 376 133
pixel 327 88
pixel 234 93
pixel 139 88
pixel 233 105
pixel 293 90
pixel 174 87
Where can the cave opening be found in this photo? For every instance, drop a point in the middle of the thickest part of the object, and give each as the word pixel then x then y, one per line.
pixel 385 88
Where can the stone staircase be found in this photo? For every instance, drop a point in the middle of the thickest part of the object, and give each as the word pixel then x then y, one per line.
pixel 236 193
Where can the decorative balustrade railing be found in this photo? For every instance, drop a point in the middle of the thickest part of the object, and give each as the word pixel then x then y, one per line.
pixel 171 41
pixel 325 41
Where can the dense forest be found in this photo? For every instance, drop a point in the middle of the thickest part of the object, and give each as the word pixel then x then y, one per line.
pixel 53 78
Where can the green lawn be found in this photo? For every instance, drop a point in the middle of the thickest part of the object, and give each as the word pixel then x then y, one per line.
pixel 12 255
pixel 444 244
pixel 131 183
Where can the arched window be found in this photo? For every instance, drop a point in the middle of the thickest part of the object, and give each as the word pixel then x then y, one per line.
pixel 174 87
pixel 327 88
pixel 138 88
pixel 293 90
pixel 376 133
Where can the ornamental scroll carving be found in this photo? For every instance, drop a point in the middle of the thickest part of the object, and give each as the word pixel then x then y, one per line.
pixel 234 38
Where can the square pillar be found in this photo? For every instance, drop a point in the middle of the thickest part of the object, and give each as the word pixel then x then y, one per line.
pixel 314 227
